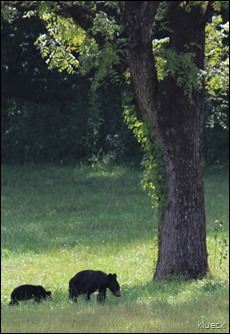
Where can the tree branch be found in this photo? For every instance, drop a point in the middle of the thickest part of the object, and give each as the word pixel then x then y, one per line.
pixel 83 16
pixel 138 18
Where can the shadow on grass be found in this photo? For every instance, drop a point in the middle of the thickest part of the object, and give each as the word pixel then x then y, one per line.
pixel 46 208
pixel 62 207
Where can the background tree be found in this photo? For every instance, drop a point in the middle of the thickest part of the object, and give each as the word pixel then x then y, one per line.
pixel 50 116
pixel 217 88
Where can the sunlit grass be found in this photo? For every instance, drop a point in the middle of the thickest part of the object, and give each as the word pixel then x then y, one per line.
pixel 57 221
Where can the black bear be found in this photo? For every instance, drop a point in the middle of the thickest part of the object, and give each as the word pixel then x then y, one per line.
pixel 28 291
pixel 88 281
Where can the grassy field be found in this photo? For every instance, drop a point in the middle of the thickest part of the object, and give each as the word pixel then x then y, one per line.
pixel 58 220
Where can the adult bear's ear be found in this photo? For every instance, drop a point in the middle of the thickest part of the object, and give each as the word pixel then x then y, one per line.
pixel 113 276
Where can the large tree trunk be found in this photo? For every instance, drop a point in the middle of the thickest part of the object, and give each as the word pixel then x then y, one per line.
pixel 182 236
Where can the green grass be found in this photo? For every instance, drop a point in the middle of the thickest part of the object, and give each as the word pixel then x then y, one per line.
pixel 58 220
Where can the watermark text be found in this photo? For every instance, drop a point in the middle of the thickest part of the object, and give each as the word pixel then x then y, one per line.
pixel 211 325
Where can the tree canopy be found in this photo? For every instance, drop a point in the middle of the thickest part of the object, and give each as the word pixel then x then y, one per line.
pixel 87 39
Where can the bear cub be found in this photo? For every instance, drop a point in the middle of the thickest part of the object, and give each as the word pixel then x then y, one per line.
pixel 88 281
pixel 28 291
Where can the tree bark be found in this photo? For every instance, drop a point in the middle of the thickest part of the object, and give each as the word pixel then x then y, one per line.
pixel 182 232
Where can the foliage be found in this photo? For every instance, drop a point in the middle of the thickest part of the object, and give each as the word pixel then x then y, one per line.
pixel 216 145
pixel 181 67
pixel 223 244
pixel 216 136
pixel 99 60
pixel 154 173
pixel 35 132
pixel 50 116
pixel 57 46
pixel 66 46
pixel 8 13
pixel 217 68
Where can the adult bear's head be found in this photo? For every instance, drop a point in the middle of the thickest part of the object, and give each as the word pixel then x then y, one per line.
pixel 113 285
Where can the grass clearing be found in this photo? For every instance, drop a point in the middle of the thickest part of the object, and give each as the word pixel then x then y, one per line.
pixel 58 220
